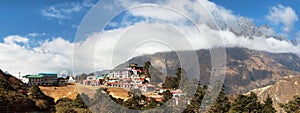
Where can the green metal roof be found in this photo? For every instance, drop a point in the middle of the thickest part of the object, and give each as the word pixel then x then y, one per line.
pixel 33 76
pixel 100 77
pixel 48 74
pixel 40 75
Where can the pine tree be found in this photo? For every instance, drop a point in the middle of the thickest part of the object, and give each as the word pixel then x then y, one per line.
pixel 146 67
pixel 63 105
pixel 173 82
pixel 5 85
pixel 222 104
pixel 195 103
pixel 246 103
pixel 253 105
pixel 152 104
pixel 267 107
pixel 239 104
pixel 78 102
pixel 292 106
pixel 167 95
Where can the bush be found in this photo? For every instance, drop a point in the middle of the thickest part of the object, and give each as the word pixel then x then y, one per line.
pixel 42 101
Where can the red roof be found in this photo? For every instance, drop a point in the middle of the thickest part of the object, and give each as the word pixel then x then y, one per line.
pixel 111 83
pixel 176 92
pixel 159 99
pixel 149 85
pixel 140 85
pixel 126 79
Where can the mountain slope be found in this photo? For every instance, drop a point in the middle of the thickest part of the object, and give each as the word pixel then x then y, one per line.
pixel 246 69
pixel 281 92
pixel 13 81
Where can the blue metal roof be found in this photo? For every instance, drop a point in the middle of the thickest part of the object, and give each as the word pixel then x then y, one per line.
pixel 49 74
pixel 99 77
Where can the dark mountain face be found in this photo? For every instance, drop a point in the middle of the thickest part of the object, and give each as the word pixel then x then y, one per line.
pixel 291 61
pixel 246 69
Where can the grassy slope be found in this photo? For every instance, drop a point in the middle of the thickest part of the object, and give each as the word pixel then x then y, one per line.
pixel 69 91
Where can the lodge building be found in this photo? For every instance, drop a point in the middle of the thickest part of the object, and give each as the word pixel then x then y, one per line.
pixel 45 79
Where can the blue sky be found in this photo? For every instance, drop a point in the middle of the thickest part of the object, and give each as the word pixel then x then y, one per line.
pixel 24 17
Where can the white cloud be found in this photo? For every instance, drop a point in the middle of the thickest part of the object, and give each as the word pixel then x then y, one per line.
pixel 15 57
pixel 168 10
pixel 260 43
pixel 15 38
pixel 283 15
pixel 119 45
pixel 36 34
pixel 65 10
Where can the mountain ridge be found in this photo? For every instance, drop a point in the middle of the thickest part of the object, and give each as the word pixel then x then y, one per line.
pixel 246 69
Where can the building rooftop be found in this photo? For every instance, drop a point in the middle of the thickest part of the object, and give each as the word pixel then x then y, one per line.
pixel 40 75
pixel 133 64
pixel 33 76
pixel 99 77
pixel 47 73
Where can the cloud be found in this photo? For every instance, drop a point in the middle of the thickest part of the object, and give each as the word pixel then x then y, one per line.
pixel 36 34
pixel 283 15
pixel 168 10
pixel 15 38
pixel 65 10
pixel 16 57
pixel 118 45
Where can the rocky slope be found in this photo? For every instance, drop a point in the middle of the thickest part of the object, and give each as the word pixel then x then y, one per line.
pixel 246 69
pixel 242 26
pixel 281 92
pixel 13 81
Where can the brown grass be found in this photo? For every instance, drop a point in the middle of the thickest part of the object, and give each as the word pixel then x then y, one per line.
pixel 115 92
pixel 69 91
pixel 118 93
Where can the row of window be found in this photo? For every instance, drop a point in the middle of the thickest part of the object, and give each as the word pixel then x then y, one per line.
pixel 45 84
